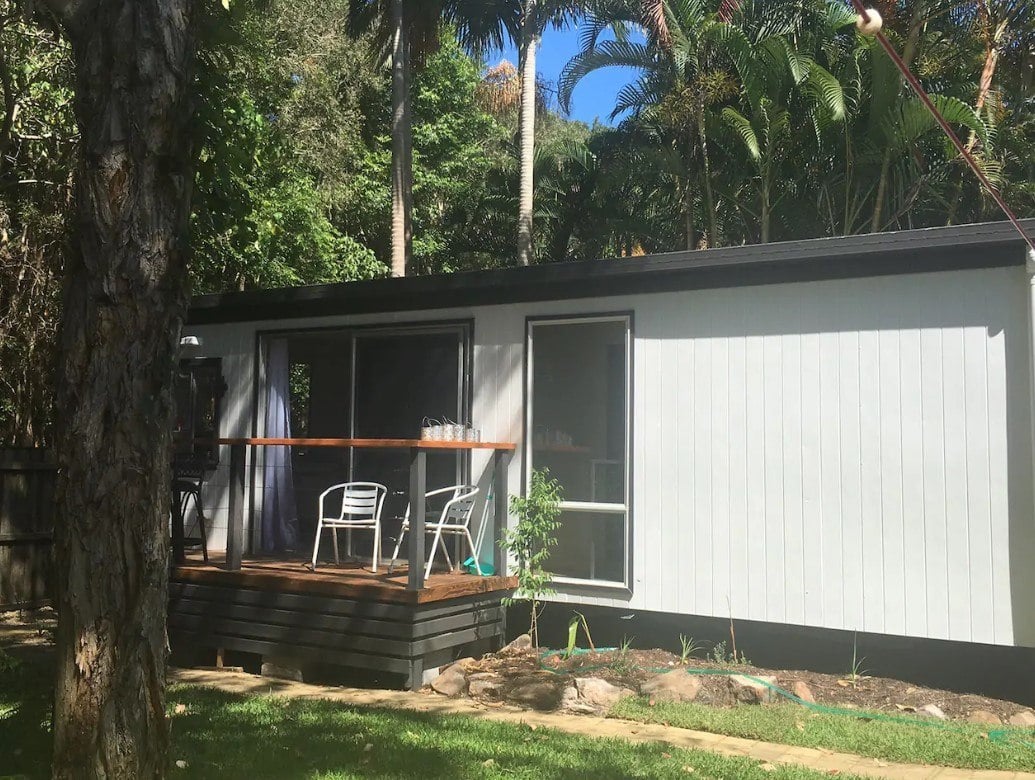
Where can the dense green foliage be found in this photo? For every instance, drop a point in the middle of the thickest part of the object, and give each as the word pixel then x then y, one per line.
pixel 756 120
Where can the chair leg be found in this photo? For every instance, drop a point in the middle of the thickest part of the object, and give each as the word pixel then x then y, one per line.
pixel 445 551
pixel 431 555
pixel 377 545
pixel 474 552
pixel 334 536
pixel 398 546
pixel 316 544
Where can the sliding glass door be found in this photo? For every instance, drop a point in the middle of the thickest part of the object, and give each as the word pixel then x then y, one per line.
pixel 376 383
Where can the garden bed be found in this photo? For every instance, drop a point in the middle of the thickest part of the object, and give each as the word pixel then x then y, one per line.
pixel 545 679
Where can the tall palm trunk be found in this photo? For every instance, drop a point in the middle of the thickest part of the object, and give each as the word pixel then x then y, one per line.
pixel 688 215
pixel 526 131
pixel 124 301
pixel 706 174
pixel 402 155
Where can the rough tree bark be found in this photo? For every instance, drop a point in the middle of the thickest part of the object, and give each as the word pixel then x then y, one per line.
pixel 124 301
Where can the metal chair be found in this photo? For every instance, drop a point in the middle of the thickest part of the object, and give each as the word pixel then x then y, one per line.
pixel 455 520
pixel 361 504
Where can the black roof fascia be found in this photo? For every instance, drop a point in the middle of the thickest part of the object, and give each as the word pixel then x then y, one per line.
pixel 986 245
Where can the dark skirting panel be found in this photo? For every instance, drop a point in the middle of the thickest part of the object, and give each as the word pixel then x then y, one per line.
pixel 401 639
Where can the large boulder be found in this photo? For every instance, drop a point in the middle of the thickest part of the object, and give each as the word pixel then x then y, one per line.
pixel 803 692
pixel 984 717
pixel 570 702
pixel 519 645
pixel 485 685
pixel 600 694
pixel 452 682
pixel 752 690
pixel 539 693
pixel 676 685
pixel 931 711
pixel 1024 718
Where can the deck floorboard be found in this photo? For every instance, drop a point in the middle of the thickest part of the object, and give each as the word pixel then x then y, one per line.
pixel 348 580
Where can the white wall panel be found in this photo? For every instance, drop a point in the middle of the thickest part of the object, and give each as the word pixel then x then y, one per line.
pixel 851 454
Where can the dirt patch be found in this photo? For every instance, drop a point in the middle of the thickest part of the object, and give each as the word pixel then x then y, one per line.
pixel 514 669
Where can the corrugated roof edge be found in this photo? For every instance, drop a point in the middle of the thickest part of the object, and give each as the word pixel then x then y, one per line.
pixel 875 254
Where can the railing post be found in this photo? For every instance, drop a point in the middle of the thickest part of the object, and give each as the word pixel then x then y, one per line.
pixel 235 521
pixel 418 487
pixel 501 460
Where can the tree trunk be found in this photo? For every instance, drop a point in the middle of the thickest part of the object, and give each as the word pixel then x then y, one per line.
pixel 124 301
pixel 706 176
pixel 526 130
pixel 688 215
pixel 402 160
pixel 767 211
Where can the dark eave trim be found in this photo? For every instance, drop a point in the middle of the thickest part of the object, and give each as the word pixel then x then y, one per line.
pixel 987 245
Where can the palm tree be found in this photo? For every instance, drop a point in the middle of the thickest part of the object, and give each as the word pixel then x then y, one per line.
pixel 534 16
pixel 679 78
pixel 407 30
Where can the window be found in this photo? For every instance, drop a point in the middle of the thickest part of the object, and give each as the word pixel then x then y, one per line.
pixel 198 388
pixel 578 428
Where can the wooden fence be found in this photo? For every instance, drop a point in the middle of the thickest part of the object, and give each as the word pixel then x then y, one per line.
pixel 26 527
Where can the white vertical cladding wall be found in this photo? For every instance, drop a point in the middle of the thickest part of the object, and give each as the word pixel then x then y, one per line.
pixel 848 454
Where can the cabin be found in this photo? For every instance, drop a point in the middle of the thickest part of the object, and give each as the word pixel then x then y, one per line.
pixel 825 446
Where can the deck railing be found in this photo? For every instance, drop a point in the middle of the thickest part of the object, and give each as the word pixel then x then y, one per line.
pixel 418 449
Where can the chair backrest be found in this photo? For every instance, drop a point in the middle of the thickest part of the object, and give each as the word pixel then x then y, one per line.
pixel 459 508
pixel 459 497
pixel 362 500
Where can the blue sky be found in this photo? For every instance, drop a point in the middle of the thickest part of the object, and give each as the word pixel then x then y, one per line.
pixel 594 97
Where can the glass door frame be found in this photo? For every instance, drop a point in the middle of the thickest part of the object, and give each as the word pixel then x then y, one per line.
pixel 627 318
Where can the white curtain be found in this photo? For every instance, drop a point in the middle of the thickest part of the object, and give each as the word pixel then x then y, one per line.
pixel 279 513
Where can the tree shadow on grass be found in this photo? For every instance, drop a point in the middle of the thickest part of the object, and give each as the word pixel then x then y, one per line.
pixel 230 736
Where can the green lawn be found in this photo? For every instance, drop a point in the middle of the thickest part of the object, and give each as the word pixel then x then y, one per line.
pixel 900 739
pixel 227 736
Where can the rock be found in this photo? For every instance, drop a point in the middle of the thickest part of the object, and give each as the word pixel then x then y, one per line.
pixel 181 764
pixel 803 691
pixel 570 702
pixel 452 682
pixel 1024 718
pixel 676 685
pixel 747 691
pixel 931 711
pixel 522 643
pixel 600 693
pixel 281 672
pixel 484 685
pixel 536 692
pixel 984 717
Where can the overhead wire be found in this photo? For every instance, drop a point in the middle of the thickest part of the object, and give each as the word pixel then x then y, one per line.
pixel 921 93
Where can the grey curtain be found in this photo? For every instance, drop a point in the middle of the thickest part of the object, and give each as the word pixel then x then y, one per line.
pixel 279 512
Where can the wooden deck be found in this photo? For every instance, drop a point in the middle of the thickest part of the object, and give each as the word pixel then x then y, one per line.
pixel 340 615
pixel 351 581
